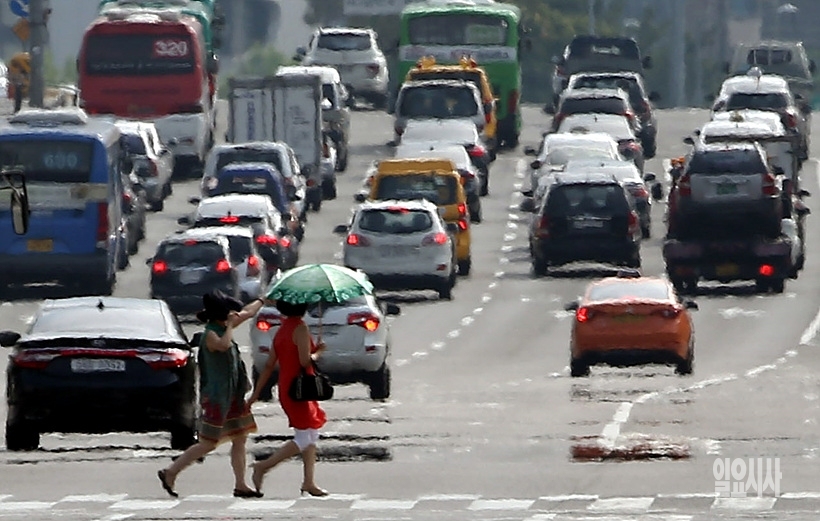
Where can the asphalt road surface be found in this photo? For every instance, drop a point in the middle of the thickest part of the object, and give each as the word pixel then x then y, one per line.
pixel 484 420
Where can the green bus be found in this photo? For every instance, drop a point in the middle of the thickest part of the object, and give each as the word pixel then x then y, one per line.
pixel 487 31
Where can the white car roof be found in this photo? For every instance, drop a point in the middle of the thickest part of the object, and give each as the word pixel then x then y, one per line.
pixel 739 129
pixel 613 124
pixel 623 170
pixel 344 30
pixel 328 74
pixel 766 117
pixel 220 230
pixel 576 139
pixel 455 153
pixel 584 93
pixel 440 130
pixel 416 204
pixel 236 204
pixel 766 84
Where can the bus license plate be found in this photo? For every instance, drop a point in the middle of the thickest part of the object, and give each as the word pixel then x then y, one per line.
pixel 87 365
pixel 727 270
pixel 40 245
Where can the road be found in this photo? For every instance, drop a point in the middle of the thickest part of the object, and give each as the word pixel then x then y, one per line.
pixel 484 418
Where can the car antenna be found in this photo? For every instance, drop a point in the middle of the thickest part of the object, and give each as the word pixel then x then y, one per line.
pixel 100 305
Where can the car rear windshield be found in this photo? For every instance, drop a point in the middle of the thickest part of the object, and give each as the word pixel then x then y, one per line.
pixel 464 75
pixel 621 48
pixel 781 62
pixel 249 156
pixel 742 100
pixel 398 221
pixel 121 322
pixel 581 198
pixel 199 253
pixel 628 85
pixel 618 128
pixel 600 105
pixel 344 42
pixel 134 144
pixel 438 189
pixel 438 101
pixel 650 290
pixel 320 308
pixel 561 156
pixel 240 247
pixel 727 162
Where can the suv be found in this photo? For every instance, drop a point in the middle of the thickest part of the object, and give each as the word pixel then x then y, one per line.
pixel 438 99
pixel 595 101
pixel 587 53
pixel 786 59
pixel 640 101
pixel 725 190
pixel 585 217
pixel 356 55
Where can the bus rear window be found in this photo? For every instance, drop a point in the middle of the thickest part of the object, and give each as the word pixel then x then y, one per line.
pixel 48 161
pixel 438 189
pixel 139 54
pixel 458 29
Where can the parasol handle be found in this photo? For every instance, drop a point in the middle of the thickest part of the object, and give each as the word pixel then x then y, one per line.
pixel 321 313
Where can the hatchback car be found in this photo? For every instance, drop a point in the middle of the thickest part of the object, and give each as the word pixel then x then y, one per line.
pixel 97 365
pixel 585 217
pixel 438 99
pixel 616 126
pixel 402 245
pixel 595 101
pixel 631 320
pixel 185 267
pixel 358 341
pixel 151 160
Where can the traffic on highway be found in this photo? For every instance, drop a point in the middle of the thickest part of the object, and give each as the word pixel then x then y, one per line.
pixel 592 308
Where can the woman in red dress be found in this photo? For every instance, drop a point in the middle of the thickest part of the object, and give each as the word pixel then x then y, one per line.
pixel 294 350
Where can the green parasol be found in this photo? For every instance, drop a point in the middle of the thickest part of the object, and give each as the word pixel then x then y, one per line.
pixel 316 283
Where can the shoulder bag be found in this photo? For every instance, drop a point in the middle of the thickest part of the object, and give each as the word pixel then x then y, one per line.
pixel 310 387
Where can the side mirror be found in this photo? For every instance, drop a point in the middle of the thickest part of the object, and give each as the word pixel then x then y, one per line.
pixel 164 152
pixel 649 177
pixel 149 261
pixel 530 151
pixel 778 171
pixel 654 97
pixel 196 339
pixel 802 212
pixel 452 228
pixel 9 338
pixel 691 304
pixel 360 197
pixel 696 132
pixel 647 62
pixel 527 193
pixel 213 64
pixel 194 200
pixel 535 165
pixel 527 205
pixel 812 66
pixel 804 193
pixel 688 140
pixel 341 229
pixel 301 51
pixel 184 221
pixel 294 198
pixel 20 210
pixel 799 97
pixel 572 306
pixel 391 309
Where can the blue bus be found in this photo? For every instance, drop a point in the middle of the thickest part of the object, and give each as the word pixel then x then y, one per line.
pixel 72 166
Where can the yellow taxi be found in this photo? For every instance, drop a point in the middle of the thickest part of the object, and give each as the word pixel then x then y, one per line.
pixel 466 70
pixel 436 180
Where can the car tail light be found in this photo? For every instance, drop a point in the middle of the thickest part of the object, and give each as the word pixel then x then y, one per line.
pixel 170 359
pixel 436 239
pixel 367 320
pixel 373 69
pixel 265 322
pixel 512 102
pixel 645 107
pixel 476 151
pixel 126 198
pixel 557 119
pixel 790 120
pixel 229 219
pixel 463 224
pixel 462 209
pixel 544 227
pixel 34 359
pixel 354 239
pixel 685 186
pixel 159 267
pixel 267 240
pixel 769 187
pixel 223 266
pixel 253 266
pixel 488 117
pixel 153 171
pixel 630 116
pixel 639 191
pixel 632 222
pixel 583 315
pixel 311 182
pixel 102 225
pixel 766 270
pixel 630 145
pixel 668 313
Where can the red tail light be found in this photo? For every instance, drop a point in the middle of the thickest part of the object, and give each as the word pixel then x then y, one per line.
pixel 462 209
pixel 325 151
pixel 170 359
pixel 645 107
pixel 126 198
pixel 633 223
pixel 265 322
pixel 559 71
pixel 159 267
pixel 639 191
pixel 488 117
pixel 790 120
pixel 229 219
pixel 311 182
pixel 684 186
pixel 583 315
pixel 462 224
pixel 223 266
pixel 766 270
pixel 769 187
pixel 33 359
pixel 354 239
pixel 436 239
pixel 367 320
pixel 253 266
pixel 668 313
pixel 102 225
pixel 284 242
pixel 544 227
pixel 267 240
pixel 476 151
pixel 557 119
pixel 512 102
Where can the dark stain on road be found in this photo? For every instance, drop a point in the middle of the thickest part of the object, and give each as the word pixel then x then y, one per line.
pixel 584 394
pixel 633 447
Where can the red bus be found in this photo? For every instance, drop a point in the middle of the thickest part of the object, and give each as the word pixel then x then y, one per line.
pixel 151 65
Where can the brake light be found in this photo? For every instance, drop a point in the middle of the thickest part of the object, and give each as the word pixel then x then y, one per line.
pixel 630 145
pixel 512 102
pixel 544 226
pixel 769 187
pixel 284 242
pixel 436 239
pixel 462 209
pixel 583 315
pixel 557 119
pixel 265 322
pixel 126 198
pixel 645 107
pixel 629 115
pixel 229 219
pixel 33 359
pixel 668 313
pixel 159 267
pixel 325 150
pixel 766 270
pixel 373 69
pixel 253 266
pixel 476 151
pixel 102 225
pixel 367 320
pixel 684 185
pixel 311 182
pixel 639 191
pixel 632 223
pixel 462 224
pixel 559 71
pixel 354 239
pixel 169 359
pixel 267 240
pixel 223 266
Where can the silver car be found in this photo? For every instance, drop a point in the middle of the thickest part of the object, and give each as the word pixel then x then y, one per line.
pixel 437 99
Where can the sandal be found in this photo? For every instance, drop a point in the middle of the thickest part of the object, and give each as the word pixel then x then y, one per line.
pixel 165 485
pixel 247 493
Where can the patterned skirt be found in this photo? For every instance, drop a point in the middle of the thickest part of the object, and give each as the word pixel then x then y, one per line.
pixel 219 424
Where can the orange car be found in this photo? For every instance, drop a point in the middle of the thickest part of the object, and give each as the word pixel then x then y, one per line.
pixel 631 320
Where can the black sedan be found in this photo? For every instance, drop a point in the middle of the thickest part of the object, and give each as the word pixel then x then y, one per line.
pixel 97 365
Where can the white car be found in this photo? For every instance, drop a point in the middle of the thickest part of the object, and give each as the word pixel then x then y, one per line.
pixel 402 245
pixel 356 55
pixel 616 126
pixel 557 149
pixel 357 336
pixel 327 166
pixel 152 161
pixel 251 271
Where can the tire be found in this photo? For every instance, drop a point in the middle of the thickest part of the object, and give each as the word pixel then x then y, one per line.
pixel 464 267
pixel 634 262
pixel 122 258
pixel 380 102
pixel 475 216
pixel 21 436
pixel 646 232
pixel 762 285
pixel 341 162
pixel 539 267
pixel 578 369
pixel 380 383
pixel 685 367
pixel 329 190
pixel 445 291
pixel 182 436
pixel 104 288
pixel 158 206
pixel 778 285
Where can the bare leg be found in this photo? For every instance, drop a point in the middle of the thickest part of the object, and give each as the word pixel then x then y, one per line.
pixel 238 462
pixel 193 453
pixel 308 465
pixel 285 452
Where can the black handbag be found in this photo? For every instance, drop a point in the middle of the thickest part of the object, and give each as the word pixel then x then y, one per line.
pixel 307 388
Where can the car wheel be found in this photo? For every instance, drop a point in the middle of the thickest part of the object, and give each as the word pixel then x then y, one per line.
pixel 21 436
pixel 578 369
pixel 122 257
pixel 182 436
pixel 445 291
pixel 464 267
pixel 158 206
pixel 329 189
pixel 539 267
pixel 380 383
pixel 778 285
pixel 341 163
pixel 646 231
pixel 475 214
pixel 634 262
pixel 684 367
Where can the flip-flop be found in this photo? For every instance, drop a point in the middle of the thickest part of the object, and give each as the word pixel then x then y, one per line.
pixel 247 493
pixel 165 485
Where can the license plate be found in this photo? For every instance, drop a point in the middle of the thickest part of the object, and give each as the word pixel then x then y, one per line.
pixel 727 270
pixel 89 365
pixel 726 189
pixel 587 224
pixel 190 276
pixel 40 245
pixel 628 318
pixel 394 251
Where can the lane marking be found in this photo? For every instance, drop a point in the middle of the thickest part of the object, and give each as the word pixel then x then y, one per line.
pixel 622 504
pixel 466 321
pixel 144 504
pixel 706 495
pixel 454 333
pixel 478 311
pixel 744 503
pixel 5 496
pixel 383 504
pixel 501 504
pixel 207 498
pixel 419 354
pixel 450 497
pixel 437 346
pixel 94 498
pixel 14 506
pixel 800 495
pixel 570 497
pixel 263 505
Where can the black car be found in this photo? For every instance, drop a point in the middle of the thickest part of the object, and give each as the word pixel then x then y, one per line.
pixel 186 266
pixel 585 217
pixel 100 364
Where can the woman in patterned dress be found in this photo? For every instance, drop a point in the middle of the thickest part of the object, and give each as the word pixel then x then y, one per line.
pixel 223 382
